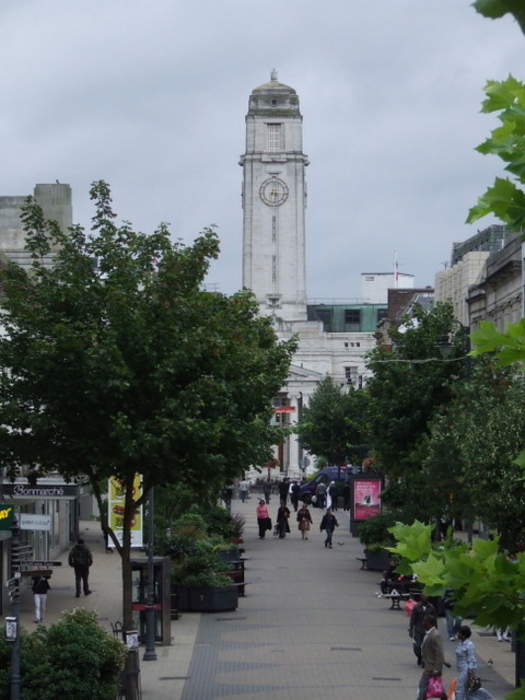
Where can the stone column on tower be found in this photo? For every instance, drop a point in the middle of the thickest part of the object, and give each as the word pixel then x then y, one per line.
pixel 274 200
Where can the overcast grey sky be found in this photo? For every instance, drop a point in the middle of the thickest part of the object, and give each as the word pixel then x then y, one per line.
pixel 151 96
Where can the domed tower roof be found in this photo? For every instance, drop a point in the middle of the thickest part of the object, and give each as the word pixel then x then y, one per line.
pixel 274 99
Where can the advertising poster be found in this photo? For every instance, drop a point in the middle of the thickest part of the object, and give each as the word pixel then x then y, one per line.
pixel 367 498
pixel 116 497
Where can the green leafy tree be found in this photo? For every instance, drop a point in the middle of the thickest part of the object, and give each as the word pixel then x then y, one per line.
pixel 74 658
pixel 410 382
pixel 470 450
pixel 120 363
pixel 333 426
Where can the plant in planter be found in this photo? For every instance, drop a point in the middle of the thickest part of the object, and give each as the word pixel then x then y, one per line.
pixel 238 523
pixel 191 524
pixel 375 536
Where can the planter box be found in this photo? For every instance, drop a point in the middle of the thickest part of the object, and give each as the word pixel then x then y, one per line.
pixel 377 560
pixel 230 555
pixel 181 597
pixel 213 598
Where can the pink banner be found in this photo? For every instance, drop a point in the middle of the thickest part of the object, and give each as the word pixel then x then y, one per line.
pixel 367 498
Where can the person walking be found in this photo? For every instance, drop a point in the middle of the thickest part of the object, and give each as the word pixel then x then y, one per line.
pixel 283 491
pixel 227 496
pixel 332 492
pixel 262 518
pixel 304 520
pixel 243 489
pixel 80 559
pixel 40 588
pixel 320 492
pixel 294 495
pixel 328 524
pixel 267 490
pixel 416 628
pixel 347 494
pixel 283 526
pixel 453 621
pixel 431 655
pixel 466 663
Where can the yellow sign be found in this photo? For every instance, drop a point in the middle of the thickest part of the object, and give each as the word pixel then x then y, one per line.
pixel 6 516
pixel 116 506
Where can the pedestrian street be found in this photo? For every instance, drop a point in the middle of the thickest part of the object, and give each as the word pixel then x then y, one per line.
pixel 310 627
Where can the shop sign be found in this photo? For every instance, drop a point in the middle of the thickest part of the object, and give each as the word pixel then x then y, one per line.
pixel 41 491
pixel 367 498
pixel 32 521
pixel 7 514
pixel 284 409
pixel 116 501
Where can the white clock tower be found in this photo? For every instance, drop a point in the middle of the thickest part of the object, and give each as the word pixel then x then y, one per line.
pixel 274 199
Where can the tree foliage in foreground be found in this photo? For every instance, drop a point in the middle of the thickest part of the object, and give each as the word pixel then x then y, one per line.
pixel 333 425
pixel 494 9
pixel 119 363
pixel 506 197
pixel 74 658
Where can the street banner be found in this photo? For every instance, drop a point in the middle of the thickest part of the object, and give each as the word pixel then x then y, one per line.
pixel 32 521
pixel 7 514
pixel 367 498
pixel 116 498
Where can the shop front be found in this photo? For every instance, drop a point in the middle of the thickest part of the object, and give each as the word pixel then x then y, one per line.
pixel 51 497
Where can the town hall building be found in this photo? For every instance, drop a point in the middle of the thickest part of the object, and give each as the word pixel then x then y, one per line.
pixel 333 338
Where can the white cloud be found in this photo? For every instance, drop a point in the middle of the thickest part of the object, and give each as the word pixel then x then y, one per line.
pixel 151 96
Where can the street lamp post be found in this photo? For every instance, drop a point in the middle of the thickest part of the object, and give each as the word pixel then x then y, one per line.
pixel 15 651
pixel 150 654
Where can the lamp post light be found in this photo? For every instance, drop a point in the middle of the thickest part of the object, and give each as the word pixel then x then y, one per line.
pixel 150 654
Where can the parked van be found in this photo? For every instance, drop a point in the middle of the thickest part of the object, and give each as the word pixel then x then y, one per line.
pixel 327 474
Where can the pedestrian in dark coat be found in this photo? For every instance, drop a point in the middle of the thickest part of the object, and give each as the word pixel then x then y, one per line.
pixel 284 487
pixel 294 495
pixel 283 526
pixel 40 588
pixel 267 490
pixel 432 655
pixel 347 494
pixel 332 490
pixel 328 524
pixel 80 559
pixel 416 628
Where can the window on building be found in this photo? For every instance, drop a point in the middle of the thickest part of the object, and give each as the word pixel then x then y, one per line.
pixel 351 375
pixel 275 137
pixel 353 316
pixel 381 314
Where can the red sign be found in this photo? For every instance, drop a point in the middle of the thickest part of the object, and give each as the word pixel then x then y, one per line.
pixel 367 498
pixel 284 409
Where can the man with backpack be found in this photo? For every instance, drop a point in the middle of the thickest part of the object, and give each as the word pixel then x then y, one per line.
pixel 80 559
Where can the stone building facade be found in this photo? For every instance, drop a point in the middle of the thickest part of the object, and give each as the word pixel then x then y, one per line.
pixel 55 200
pixel 274 257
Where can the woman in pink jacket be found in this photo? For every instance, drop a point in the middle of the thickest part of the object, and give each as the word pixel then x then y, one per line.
pixel 262 519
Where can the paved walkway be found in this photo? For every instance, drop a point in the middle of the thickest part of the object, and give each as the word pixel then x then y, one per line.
pixel 309 627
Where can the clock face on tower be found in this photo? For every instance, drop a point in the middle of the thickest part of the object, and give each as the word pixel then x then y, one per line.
pixel 273 192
